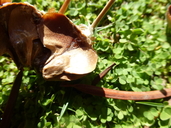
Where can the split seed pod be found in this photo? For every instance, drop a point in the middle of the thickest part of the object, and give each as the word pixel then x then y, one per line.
pixel 49 42
pixel 71 53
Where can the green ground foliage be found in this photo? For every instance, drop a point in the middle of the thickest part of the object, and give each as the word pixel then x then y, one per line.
pixel 134 36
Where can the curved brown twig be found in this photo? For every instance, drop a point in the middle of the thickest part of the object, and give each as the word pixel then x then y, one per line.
pixel 123 95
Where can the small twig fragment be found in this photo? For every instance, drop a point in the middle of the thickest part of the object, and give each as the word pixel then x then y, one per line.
pixel 64 6
pixel 102 13
pixel 102 74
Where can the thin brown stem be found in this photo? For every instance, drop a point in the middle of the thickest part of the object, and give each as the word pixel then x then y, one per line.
pixel 102 13
pixel 64 6
pixel 11 101
pixel 122 95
